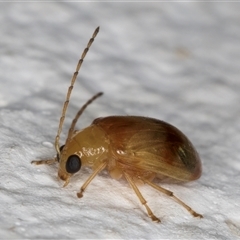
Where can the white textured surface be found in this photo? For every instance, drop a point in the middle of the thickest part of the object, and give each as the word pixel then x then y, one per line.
pixel 174 61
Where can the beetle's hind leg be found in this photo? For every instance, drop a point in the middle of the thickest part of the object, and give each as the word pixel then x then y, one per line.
pixel 141 198
pixel 170 194
pixel 46 161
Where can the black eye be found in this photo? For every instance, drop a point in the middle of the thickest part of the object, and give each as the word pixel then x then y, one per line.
pixel 73 164
pixel 61 148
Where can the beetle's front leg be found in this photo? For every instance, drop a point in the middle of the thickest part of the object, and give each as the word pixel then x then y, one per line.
pixel 91 177
pixel 46 161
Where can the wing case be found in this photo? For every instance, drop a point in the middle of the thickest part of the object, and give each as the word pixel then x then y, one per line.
pixel 150 145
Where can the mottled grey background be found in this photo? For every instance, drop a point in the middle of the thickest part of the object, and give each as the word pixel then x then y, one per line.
pixel 178 62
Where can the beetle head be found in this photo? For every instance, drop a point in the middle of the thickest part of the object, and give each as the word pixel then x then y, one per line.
pixel 68 164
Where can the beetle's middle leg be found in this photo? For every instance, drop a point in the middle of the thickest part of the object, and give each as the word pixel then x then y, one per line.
pixel 141 198
pixel 170 194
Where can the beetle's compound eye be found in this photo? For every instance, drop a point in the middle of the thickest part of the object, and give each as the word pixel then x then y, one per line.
pixel 61 148
pixel 73 164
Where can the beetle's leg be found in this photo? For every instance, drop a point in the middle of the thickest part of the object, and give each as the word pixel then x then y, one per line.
pixel 91 177
pixel 46 161
pixel 170 194
pixel 141 198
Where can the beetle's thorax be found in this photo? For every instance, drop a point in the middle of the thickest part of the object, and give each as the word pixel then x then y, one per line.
pixel 89 144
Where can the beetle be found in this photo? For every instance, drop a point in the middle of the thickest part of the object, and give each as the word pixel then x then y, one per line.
pixel 136 148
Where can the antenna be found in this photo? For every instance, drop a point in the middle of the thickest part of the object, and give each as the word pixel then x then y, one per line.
pixel 65 105
pixel 79 113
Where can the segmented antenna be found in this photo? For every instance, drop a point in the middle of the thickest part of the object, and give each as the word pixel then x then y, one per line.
pixel 79 113
pixel 65 105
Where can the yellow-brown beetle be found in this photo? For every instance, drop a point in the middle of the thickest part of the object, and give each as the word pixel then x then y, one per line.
pixel 137 148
